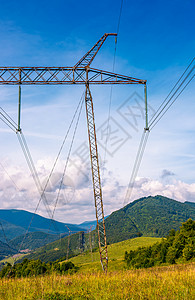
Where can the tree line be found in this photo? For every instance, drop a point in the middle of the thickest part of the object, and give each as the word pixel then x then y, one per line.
pixel 178 246
pixel 29 268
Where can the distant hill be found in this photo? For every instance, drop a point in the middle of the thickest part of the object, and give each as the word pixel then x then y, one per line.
pixel 20 219
pixel 5 250
pixel 34 240
pixel 11 230
pixel 13 226
pixel 90 224
pixel 148 216
pixel 190 203
pixel 78 243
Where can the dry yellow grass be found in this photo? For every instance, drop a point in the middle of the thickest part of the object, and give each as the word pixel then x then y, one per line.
pixel 170 282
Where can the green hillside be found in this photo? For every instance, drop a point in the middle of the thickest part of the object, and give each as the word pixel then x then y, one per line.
pixel 149 216
pixel 179 246
pixel 88 261
pixel 11 230
pixel 190 203
pixel 33 240
pixel 78 243
pixel 5 250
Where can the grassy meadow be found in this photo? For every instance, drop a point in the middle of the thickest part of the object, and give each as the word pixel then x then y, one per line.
pixel 91 262
pixel 170 282
pixel 167 282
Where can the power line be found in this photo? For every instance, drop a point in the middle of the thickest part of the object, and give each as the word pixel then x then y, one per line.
pixel 166 104
pixel 43 191
pixel 165 109
pixel 12 125
pixel 7 120
pixel 136 166
pixel 63 143
pixel 154 116
pixel 32 168
pixel 111 89
pixel 10 177
pixel 68 157
pixel 28 157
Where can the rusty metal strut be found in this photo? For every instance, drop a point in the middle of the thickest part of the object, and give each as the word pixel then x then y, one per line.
pixel 97 189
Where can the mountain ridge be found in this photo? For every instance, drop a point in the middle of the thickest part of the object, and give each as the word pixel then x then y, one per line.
pixel 20 220
pixel 147 216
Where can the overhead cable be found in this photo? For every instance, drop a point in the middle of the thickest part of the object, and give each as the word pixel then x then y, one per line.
pixel 176 91
pixel 10 177
pixel 164 102
pixel 136 166
pixel 7 120
pixel 68 156
pixel 174 94
pixel 111 88
pixel 42 196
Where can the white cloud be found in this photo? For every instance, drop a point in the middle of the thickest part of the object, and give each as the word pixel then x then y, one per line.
pixel 76 203
pixel 177 190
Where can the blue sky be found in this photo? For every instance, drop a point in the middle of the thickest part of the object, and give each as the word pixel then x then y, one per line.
pixel 155 42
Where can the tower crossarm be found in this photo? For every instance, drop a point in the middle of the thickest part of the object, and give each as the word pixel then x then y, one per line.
pixel 87 59
pixel 62 75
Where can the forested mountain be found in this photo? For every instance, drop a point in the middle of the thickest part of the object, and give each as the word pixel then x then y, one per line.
pixel 14 224
pixel 10 230
pixel 190 203
pixel 148 216
pixel 17 221
pixel 6 250
pixel 34 240
pixel 75 244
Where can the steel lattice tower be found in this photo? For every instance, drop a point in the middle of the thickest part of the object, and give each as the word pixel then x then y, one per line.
pixel 81 73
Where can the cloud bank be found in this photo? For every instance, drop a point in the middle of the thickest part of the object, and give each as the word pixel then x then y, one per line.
pixel 75 202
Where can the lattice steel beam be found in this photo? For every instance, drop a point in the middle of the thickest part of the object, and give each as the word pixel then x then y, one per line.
pixel 87 59
pixel 62 75
pixel 97 189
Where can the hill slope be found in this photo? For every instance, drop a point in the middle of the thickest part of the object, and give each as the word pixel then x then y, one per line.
pixel 22 218
pixel 13 226
pixel 77 243
pixel 5 250
pixel 149 216
pixel 10 230
pixel 33 240
pixel 190 203
pixel 177 247
pixel 91 261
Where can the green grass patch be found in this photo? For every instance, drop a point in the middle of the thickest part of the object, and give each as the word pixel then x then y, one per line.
pixel 91 261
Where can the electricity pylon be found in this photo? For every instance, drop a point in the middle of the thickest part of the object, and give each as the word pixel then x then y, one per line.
pixel 81 73
pixel 90 241
pixel 68 245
